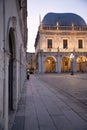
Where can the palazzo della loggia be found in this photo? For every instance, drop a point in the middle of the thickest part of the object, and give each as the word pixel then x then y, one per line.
pixel 61 44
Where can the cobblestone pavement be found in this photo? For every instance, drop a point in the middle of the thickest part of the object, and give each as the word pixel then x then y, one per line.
pixel 51 102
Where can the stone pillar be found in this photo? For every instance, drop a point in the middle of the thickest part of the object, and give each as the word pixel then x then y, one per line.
pixel 39 62
pixel 59 64
pixel 6 64
pixel 16 94
pixel 58 68
pixel 43 64
pixel 74 64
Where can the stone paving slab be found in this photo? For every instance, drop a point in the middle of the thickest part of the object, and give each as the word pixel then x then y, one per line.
pixel 76 120
pixel 62 123
pixel 41 108
pixel 19 123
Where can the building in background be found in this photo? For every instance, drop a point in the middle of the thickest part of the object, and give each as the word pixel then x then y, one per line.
pixel 61 44
pixel 30 62
pixel 13 45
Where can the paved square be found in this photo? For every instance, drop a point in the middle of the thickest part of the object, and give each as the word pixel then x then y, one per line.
pixel 45 106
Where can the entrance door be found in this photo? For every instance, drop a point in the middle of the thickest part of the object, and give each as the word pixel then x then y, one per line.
pixel 10 83
pixel 10 71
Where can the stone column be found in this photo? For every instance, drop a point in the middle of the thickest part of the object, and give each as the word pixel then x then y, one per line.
pixel 39 62
pixel 56 66
pixel 16 88
pixel 74 64
pixel 6 64
pixel 43 64
pixel 59 64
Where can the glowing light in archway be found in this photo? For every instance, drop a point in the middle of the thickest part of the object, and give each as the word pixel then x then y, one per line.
pixel 50 64
pixel 81 64
pixel 66 64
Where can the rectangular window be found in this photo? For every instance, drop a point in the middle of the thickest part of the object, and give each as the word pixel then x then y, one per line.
pixel 65 44
pixel 49 43
pixel 80 44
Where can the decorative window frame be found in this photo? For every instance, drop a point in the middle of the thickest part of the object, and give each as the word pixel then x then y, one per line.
pixel 65 46
pixel 49 43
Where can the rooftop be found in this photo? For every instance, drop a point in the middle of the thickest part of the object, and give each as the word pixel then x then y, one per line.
pixel 63 19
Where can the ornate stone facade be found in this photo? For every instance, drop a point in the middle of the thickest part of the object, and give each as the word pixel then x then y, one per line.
pixel 13 43
pixel 56 43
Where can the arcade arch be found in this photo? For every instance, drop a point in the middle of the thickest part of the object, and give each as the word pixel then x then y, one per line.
pixel 65 64
pixel 81 64
pixel 50 64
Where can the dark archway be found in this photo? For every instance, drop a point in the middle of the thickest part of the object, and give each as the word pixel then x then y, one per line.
pixel 10 69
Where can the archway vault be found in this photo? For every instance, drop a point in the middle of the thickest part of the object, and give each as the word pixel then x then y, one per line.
pixel 50 64
pixel 81 64
pixel 65 64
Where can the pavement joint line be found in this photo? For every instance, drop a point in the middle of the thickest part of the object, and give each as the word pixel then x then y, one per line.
pixel 66 103
pixel 40 85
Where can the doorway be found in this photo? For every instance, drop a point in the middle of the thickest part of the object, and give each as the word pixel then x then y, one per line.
pixel 10 69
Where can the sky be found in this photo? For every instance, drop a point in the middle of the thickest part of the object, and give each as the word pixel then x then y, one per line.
pixel 39 8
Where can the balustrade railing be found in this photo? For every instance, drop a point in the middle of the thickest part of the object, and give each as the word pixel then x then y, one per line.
pixel 64 50
pixel 76 28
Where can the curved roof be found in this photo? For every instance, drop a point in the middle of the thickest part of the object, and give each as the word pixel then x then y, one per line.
pixel 64 19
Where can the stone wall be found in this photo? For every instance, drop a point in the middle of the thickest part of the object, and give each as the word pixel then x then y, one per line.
pixel 12 49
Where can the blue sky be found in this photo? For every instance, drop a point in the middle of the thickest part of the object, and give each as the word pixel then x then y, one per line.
pixel 38 8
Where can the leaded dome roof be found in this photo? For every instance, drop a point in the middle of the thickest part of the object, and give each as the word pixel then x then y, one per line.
pixel 63 19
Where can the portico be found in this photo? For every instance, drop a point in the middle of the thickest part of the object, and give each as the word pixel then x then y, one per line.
pixel 56 41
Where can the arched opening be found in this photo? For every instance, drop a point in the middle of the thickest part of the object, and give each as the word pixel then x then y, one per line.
pixel 50 65
pixel 81 64
pixel 66 64
pixel 10 69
